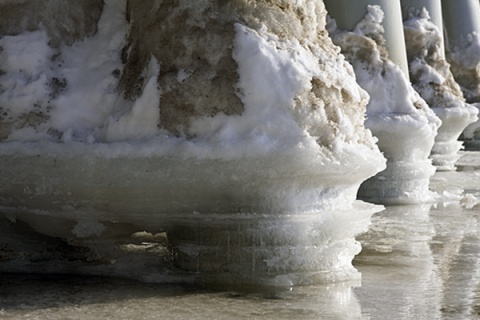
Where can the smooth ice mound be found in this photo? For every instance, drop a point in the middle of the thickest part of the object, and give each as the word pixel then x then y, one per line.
pixel 239 159
pixel 401 120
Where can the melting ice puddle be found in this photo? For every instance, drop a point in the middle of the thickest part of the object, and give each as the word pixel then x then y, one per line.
pixel 417 262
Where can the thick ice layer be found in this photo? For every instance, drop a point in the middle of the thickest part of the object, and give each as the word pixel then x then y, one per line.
pixel 256 119
pixel 432 79
pixel 396 114
pixel 94 194
pixel 272 250
pixel 125 180
pixel 240 248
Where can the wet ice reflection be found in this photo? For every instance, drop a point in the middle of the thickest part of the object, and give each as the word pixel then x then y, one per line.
pixel 397 264
pixel 421 262
pixel 417 262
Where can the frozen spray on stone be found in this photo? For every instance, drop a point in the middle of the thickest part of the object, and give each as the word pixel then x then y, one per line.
pixel 236 128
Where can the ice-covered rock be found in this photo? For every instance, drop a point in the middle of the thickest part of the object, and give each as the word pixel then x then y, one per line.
pixel 232 121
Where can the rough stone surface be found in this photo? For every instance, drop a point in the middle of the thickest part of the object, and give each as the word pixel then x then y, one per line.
pixel 65 21
pixel 196 38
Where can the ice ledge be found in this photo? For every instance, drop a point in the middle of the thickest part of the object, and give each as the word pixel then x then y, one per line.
pixel 288 214
pixel 123 180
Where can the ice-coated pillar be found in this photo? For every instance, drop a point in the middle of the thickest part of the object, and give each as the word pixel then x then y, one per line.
pixel 396 114
pixel 432 78
pixel 462 30
pixel 349 13
pixel 434 8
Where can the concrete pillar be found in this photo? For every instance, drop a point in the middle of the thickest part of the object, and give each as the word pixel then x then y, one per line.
pixel 348 13
pixel 461 19
pixel 434 8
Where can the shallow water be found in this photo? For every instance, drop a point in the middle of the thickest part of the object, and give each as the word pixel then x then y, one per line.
pixel 417 262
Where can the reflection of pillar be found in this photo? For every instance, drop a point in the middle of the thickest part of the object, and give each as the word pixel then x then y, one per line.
pixel 348 13
pixel 434 8
pixel 457 255
pixel 398 240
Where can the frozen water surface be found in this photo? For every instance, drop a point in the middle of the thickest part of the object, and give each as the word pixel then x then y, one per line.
pixel 417 262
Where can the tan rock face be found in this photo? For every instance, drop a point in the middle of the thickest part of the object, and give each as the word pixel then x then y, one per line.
pixel 185 43
pixel 192 40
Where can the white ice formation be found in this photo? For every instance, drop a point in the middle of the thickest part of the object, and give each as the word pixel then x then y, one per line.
pixel 401 120
pixel 431 77
pixel 236 129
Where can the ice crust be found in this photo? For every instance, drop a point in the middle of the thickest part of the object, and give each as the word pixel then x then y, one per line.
pixel 401 120
pixel 117 157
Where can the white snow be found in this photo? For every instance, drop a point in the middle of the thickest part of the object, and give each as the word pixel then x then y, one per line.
pixel 89 69
pixel 24 63
pixel 141 121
